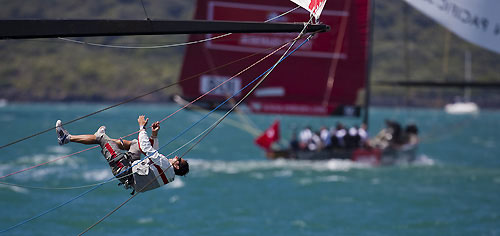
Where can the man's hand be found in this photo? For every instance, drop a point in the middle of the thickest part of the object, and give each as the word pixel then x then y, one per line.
pixel 155 128
pixel 142 122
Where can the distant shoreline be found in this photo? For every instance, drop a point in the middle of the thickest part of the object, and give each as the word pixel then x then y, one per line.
pixel 379 102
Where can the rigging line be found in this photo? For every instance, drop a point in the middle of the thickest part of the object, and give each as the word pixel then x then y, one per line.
pixel 245 122
pixel 235 123
pixel 160 121
pixel 232 77
pixel 135 98
pixel 265 74
pixel 67 202
pixel 228 99
pixel 249 126
pixel 209 130
pixel 64 203
pixel 49 210
pixel 140 96
pixel 144 47
pixel 211 90
pixel 144 8
pixel 222 117
pixel 260 60
pixel 41 164
pixel 97 186
pixel 167 45
pixel 268 71
pixel 212 127
pixel 50 188
pixel 278 16
pixel 92 189
pixel 65 188
pixel 216 108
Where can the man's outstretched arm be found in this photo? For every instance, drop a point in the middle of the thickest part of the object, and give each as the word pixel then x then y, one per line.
pixel 154 134
pixel 124 144
pixel 144 143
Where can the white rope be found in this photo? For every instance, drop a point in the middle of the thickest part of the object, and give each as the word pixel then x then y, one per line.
pixel 293 9
pixel 144 47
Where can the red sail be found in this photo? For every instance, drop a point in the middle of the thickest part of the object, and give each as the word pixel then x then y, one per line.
pixel 326 76
pixel 271 135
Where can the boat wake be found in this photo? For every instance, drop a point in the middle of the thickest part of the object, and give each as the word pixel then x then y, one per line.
pixel 423 160
pixel 279 165
pixel 286 168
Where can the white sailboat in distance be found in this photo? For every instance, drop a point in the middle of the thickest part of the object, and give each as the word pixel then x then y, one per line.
pixel 464 106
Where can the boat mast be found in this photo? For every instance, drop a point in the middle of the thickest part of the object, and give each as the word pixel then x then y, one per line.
pixel 467 75
pixel 369 50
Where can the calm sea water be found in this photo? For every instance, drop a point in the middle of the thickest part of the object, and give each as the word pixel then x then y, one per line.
pixel 233 190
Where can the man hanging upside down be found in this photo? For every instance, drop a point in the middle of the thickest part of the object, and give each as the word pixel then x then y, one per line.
pixel 141 175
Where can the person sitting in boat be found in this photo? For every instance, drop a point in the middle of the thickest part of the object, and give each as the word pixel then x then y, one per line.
pixel 305 137
pixel 352 138
pixel 315 143
pixel 154 171
pixel 294 142
pixel 363 135
pixel 338 136
pixel 325 137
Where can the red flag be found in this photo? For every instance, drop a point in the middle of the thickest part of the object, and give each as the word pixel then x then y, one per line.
pixel 271 135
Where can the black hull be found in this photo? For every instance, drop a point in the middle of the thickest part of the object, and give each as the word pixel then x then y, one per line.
pixel 388 156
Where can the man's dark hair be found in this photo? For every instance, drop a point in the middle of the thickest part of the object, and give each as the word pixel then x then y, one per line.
pixel 183 168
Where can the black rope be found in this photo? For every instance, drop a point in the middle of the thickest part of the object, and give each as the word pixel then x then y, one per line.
pixel 145 12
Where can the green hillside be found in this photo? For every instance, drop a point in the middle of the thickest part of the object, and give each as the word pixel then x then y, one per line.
pixel 56 70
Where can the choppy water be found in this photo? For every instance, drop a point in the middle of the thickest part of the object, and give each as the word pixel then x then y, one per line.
pixel 233 190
